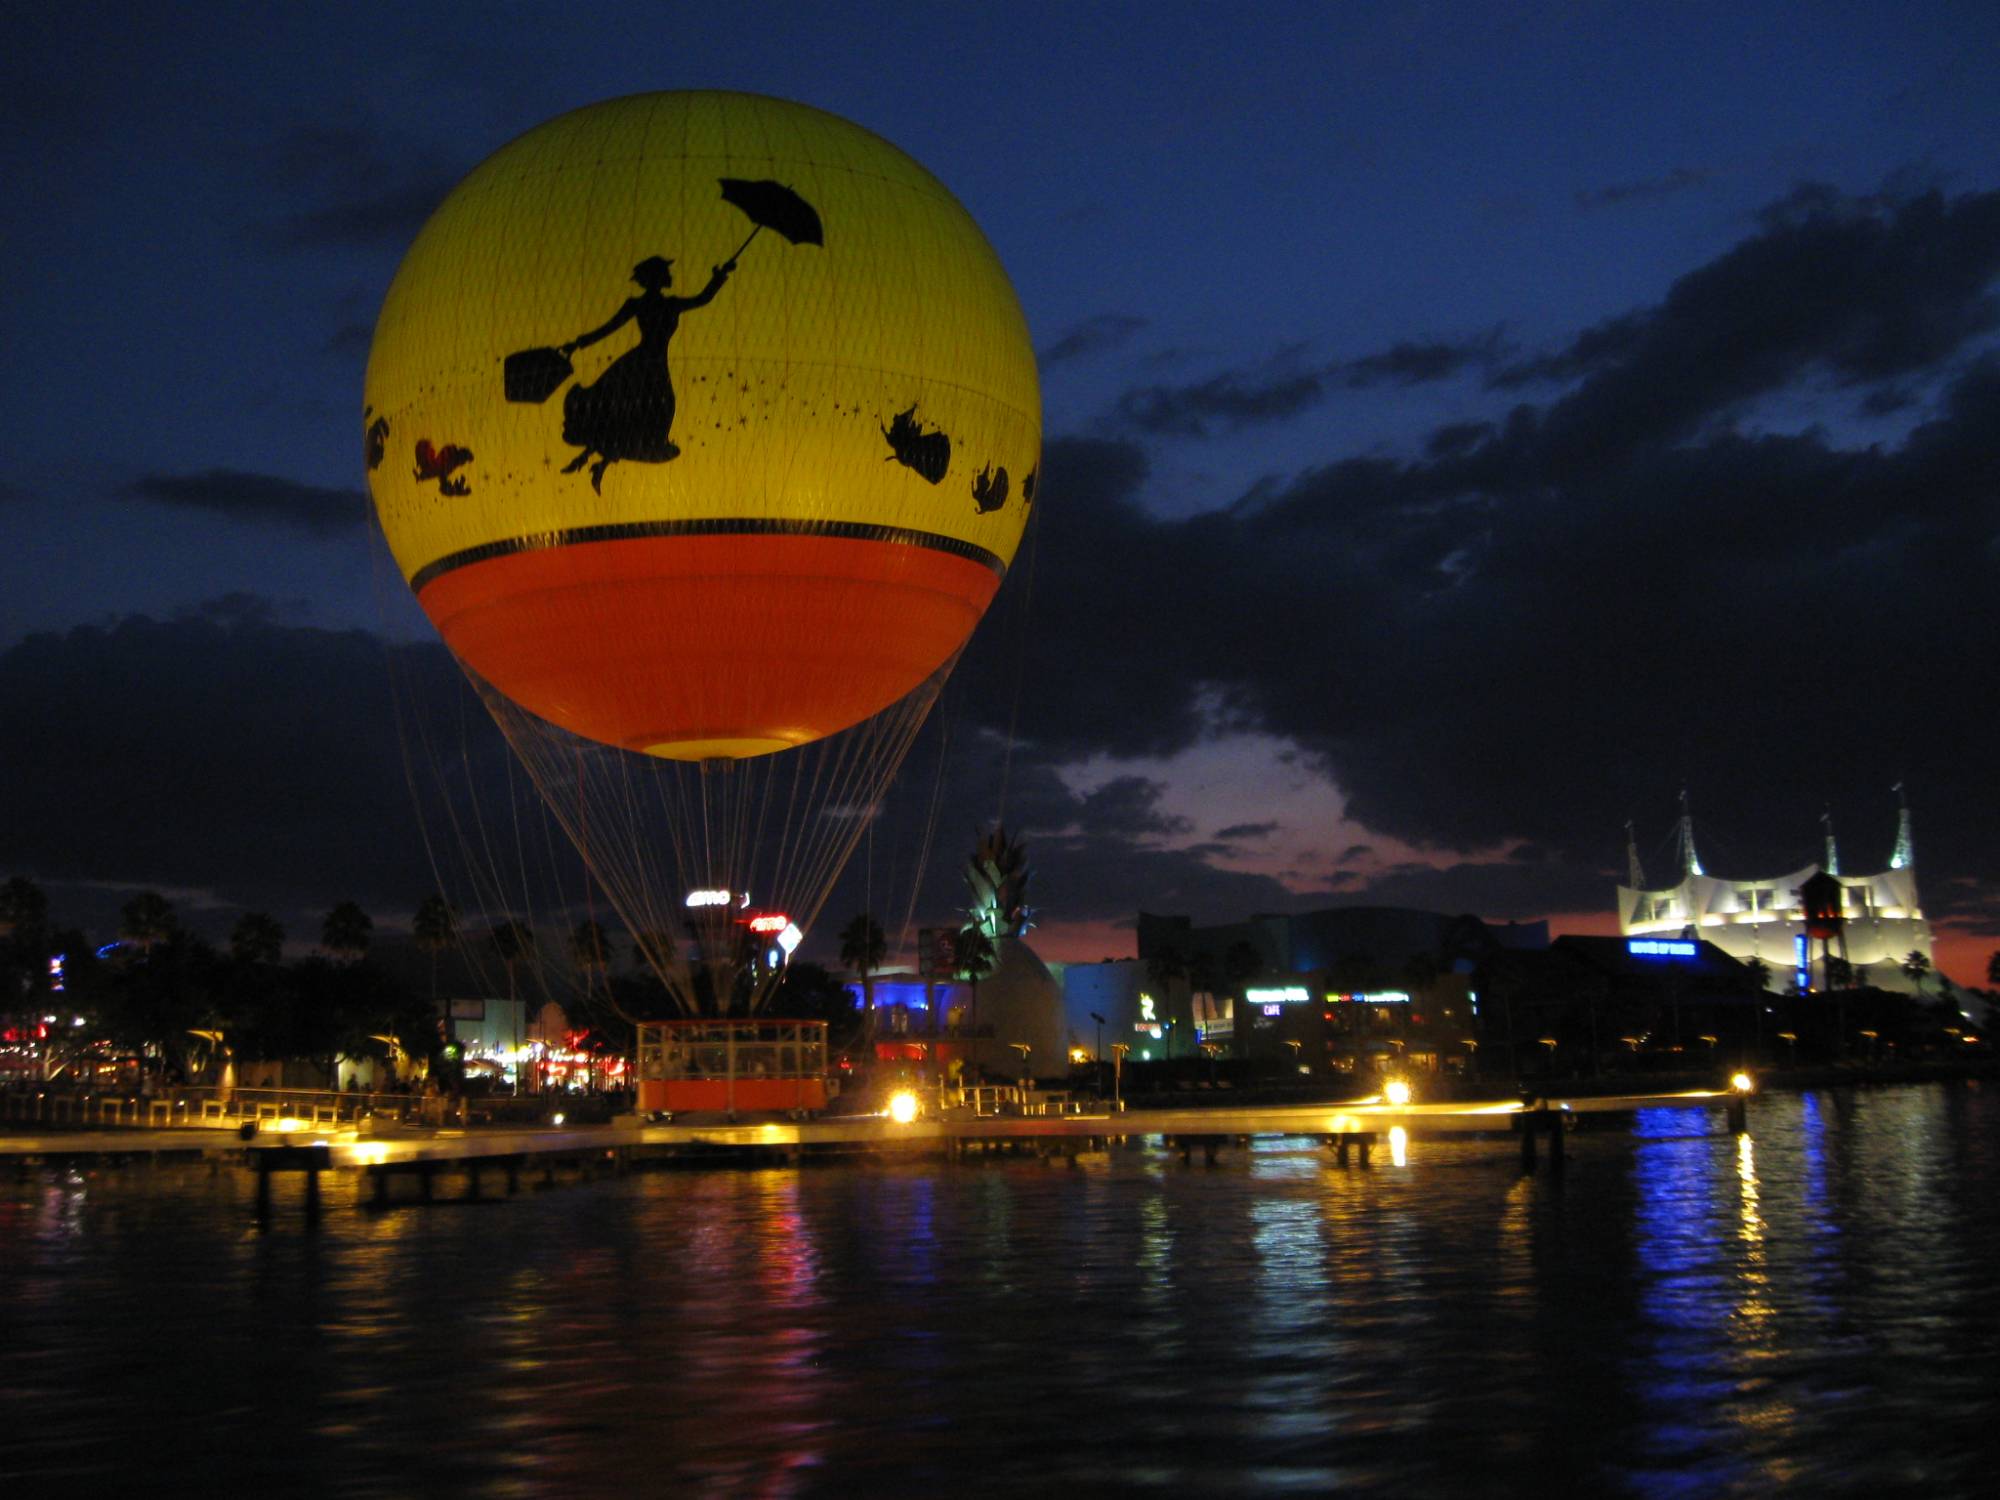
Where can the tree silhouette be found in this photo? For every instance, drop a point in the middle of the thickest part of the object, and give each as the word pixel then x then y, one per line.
pixel 147 920
pixel 24 940
pixel 975 957
pixel 347 932
pixel 434 928
pixel 590 951
pixel 514 944
pixel 257 938
pixel 862 948
pixel 23 906
pixel 1917 969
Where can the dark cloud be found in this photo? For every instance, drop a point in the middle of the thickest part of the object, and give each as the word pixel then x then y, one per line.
pixel 361 188
pixel 1236 832
pixel 1415 363
pixel 262 498
pixel 1679 180
pixel 350 340
pixel 1098 335
pixel 1129 807
pixel 1857 291
pixel 238 608
pixel 1283 387
pixel 1887 400
pixel 1494 890
pixel 1545 623
pixel 1231 399
pixel 265 763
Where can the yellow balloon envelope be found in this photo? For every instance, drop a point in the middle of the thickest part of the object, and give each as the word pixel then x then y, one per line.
pixel 702 424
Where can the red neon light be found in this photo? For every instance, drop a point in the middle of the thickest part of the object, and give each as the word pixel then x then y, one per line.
pixel 770 922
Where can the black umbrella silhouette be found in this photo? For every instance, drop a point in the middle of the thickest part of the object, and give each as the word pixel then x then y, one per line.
pixel 772 205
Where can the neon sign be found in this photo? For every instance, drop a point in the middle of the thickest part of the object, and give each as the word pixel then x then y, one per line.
pixel 1291 994
pixel 1659 948
pixel 1371 997
pixel 775 921
pixel 709 898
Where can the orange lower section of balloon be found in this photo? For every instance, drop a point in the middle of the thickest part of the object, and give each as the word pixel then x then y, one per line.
pixel 694 647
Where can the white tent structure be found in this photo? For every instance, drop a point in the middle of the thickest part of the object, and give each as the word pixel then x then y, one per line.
pixel 1763 919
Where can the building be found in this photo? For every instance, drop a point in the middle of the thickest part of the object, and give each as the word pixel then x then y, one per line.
pixel 1347 990
pixel 1763 919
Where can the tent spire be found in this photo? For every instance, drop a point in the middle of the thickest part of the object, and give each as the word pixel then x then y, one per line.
pixel 1690 861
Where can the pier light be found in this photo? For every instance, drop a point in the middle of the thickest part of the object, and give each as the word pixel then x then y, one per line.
pixel 902 1106
pixel 1742 1083
pixel 1397 1092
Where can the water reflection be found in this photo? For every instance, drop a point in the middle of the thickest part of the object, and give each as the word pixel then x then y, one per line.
pixel 1812 1306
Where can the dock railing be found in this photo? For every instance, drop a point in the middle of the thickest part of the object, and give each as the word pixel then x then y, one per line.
pixel 1012 1099
pixel 214 1107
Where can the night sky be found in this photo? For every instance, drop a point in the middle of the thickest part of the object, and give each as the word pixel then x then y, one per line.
pixel 1467 427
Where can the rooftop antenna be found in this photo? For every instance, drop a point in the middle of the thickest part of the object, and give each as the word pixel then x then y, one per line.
pixel 1634 873
pixel 1905 853
pixel 1832 862
pixel 1690 861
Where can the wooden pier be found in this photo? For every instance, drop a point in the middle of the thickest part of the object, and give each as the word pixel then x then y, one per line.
pixel 404 1153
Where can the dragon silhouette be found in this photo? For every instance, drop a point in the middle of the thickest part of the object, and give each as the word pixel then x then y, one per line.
pixel 378 438
pixel 439 464
pixel 927 451
pixel 989 489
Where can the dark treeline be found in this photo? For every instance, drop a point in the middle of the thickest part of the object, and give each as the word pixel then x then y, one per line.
pixel 157 1001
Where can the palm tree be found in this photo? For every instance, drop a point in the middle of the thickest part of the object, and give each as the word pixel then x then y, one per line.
pixel 862 948
pixel 346 932
pixel 514 941
pixel 974 958
pixel 24 939
pixel 24 908
pixel 434 928
pixel 1916 968
pixel 590 951
pixel 654 948
pixel 257 938
pixel 147 920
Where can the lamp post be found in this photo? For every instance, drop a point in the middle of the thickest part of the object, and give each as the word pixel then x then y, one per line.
pixel 1118 1051
pixel 1027 1079
pixel 1097 1056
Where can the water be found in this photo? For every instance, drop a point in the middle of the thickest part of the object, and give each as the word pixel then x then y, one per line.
pixel 1815 1308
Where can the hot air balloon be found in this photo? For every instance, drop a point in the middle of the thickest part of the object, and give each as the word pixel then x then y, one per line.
pixel 683 419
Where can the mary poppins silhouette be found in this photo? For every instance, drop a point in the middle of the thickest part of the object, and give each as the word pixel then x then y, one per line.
pixel 628 412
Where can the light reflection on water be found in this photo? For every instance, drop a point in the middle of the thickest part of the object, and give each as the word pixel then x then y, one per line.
pixel 1812 1306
